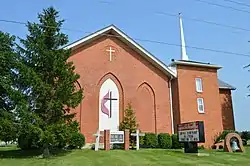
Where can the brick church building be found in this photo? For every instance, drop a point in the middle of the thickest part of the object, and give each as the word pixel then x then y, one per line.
pixel 115 71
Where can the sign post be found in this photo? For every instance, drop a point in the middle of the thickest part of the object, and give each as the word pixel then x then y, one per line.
pixel 112 137
pixel 191 133
pixel 97 140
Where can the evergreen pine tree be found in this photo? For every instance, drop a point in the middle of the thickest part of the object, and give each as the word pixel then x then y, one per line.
pixel 8 126
pixel 47 79
pixel 129 123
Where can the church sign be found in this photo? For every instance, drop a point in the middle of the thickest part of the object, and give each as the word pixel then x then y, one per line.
pixel 116 137
pixel 191 132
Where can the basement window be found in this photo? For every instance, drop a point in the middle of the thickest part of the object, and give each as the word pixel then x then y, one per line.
pixel 200 104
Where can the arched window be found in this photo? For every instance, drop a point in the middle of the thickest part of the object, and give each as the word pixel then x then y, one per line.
pixel 109 106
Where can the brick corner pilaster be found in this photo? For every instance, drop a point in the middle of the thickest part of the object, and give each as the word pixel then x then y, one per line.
pixel 126 140
pixel 106 140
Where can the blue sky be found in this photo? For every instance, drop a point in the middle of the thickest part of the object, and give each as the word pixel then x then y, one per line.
pixel 139 19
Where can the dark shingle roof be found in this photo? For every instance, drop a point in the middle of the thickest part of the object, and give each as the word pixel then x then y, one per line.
pixel 224 85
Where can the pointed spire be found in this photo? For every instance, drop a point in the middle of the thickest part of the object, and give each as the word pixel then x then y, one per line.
pixel 183 45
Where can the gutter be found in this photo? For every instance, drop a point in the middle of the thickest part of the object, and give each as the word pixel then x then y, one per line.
pixel 171 105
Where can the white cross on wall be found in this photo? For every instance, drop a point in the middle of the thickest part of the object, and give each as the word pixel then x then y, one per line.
pixel 110 53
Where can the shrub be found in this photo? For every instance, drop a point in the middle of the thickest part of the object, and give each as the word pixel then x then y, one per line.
pixel 245 135
pixel 244 142
pixel 150 140
pixel 118 146
pixel 77 140
pixel 164 141
pixel 142 138
pixel 201 147
pixel 175 142
pixel 222 135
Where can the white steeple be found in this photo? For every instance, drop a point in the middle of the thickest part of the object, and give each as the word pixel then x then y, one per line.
pixel 183 45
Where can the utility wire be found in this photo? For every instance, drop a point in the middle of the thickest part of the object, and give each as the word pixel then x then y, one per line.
pixel 178 45
pixel 238 3
pixel 194 19
pixel 11 21
pixel 204 21
pixel 223 6
pixel 143 40
pixel 23 23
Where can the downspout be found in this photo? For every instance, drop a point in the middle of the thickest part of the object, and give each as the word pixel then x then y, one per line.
pixel 171 104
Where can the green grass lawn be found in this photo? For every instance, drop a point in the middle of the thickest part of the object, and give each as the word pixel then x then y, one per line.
pixel 14 157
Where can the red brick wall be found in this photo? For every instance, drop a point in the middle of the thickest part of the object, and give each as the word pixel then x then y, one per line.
pixel 145 109
pixel 175 101
pixel 138 82
pixel 227 109
pixel 188 99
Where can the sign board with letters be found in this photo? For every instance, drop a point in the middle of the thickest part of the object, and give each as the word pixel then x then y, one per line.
pixel 116 137
pixel 191 132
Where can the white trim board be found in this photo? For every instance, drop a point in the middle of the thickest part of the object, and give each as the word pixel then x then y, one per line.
pixel 191 63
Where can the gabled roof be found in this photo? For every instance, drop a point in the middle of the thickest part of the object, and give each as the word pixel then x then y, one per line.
pixel 224 85
pixel 113 31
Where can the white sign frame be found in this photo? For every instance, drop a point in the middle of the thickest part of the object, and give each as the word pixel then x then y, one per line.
pixel 118 133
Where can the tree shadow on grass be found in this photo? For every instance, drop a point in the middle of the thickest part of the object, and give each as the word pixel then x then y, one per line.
pixel 18 153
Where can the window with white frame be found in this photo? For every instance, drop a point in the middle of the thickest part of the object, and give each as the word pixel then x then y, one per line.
pixel 198 83
pixel 200 104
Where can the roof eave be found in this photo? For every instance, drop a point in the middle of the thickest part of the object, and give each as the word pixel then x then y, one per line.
pixel 90 37
pixel 227 88
pixel 195 64
pixel 128 40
